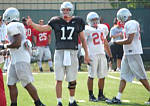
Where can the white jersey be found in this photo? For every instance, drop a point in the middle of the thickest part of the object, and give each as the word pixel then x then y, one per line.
pixel 3 32
pixel 135 47
pixel 20 54
pixel 95 38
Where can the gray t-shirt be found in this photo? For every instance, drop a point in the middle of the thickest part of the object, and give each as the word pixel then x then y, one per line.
pixel 114 31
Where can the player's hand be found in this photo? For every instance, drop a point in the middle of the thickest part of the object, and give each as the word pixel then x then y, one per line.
pixel 29 21
pixel 87 60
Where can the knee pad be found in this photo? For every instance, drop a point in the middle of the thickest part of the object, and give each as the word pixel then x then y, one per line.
pixel 72 85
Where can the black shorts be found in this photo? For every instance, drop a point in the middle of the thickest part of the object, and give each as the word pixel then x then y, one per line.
pixel 117 51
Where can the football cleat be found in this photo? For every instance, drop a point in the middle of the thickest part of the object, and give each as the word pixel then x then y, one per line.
pixel 92 98
pixel 51 69
pixel 102 98
pixel 59 104
pixel 113 101
pixel 73 104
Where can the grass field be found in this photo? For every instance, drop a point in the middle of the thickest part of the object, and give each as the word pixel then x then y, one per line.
pixel 134 94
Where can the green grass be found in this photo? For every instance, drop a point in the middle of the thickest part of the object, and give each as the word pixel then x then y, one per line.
pixel 45 84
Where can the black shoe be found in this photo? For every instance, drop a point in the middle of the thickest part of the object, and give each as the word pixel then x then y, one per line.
pixel 73 104
pixel 40 105
pixel 51 69
pixel 113 101
pixel 92 98
pixel 102 98
pixel 41 69
pixel 59 104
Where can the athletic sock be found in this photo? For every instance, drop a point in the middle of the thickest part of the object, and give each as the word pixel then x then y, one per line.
pixel 50 63
pixel 39 64
pixel 100 92
pixel 13 104
pixel 90 92
pixel 119 95
pixel 37 103
pixel 71 100
pixel 59 100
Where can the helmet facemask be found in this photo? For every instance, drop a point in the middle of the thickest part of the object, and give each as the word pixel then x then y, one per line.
pixel 93 19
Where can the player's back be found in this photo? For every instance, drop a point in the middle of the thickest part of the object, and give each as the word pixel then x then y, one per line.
pixel 132 26
pixel 20 54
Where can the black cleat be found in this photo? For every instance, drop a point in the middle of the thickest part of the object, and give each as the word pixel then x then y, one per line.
pixel 41 69
pixel 73 104
pixel 59 104
pixel 102 98
pixel 92 98
pixel 51 69
pixel 113 101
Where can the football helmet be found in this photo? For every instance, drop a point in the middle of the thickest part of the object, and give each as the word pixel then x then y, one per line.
pixel 11 14
pixel 65 5
pixel 92 19
pixel 123 14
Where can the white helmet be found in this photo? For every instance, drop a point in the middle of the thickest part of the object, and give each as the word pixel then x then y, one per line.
pixel 123 14
pixel 67 5
pixel 11 14
pixel 90 17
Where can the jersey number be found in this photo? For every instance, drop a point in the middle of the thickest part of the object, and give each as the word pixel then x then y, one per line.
pixel 96 40
pixel 70 35
pixel 42 36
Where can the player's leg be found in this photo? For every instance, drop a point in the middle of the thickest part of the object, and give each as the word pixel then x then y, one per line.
pixel 71 76
pixel 59 74
pixel 39 62
pixel 92 71
pixel 11 82
pixel 101 74
pixel 139 72
pixel 126 75
pixel 47 53
pixel 24 74
pixel 119 56
pixel 2 91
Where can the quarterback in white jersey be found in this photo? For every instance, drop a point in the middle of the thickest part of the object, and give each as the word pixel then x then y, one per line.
pixel 95 35
pixel 19 68
pixel 132 64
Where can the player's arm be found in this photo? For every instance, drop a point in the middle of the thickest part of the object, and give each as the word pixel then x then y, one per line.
pixel 16 43
pixel 107 48
pixel 84 45
pixel 126 41
pixel 49 39
pixel 40 28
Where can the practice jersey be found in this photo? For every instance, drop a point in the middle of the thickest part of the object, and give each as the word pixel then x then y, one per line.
pixel 135 47
pixel 29 32
pixel 66 33
pixel 20 54
pixel 42 38
pixel 95 38
pixel 3 32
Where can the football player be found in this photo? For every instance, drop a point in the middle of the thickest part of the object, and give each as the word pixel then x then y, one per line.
pixel 132 64
pixel 42 41
pixel 67 28
pixel 97 45
pixel 19 68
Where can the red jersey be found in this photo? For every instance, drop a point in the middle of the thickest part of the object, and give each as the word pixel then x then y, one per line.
pixel 29 32
pixel 42 38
